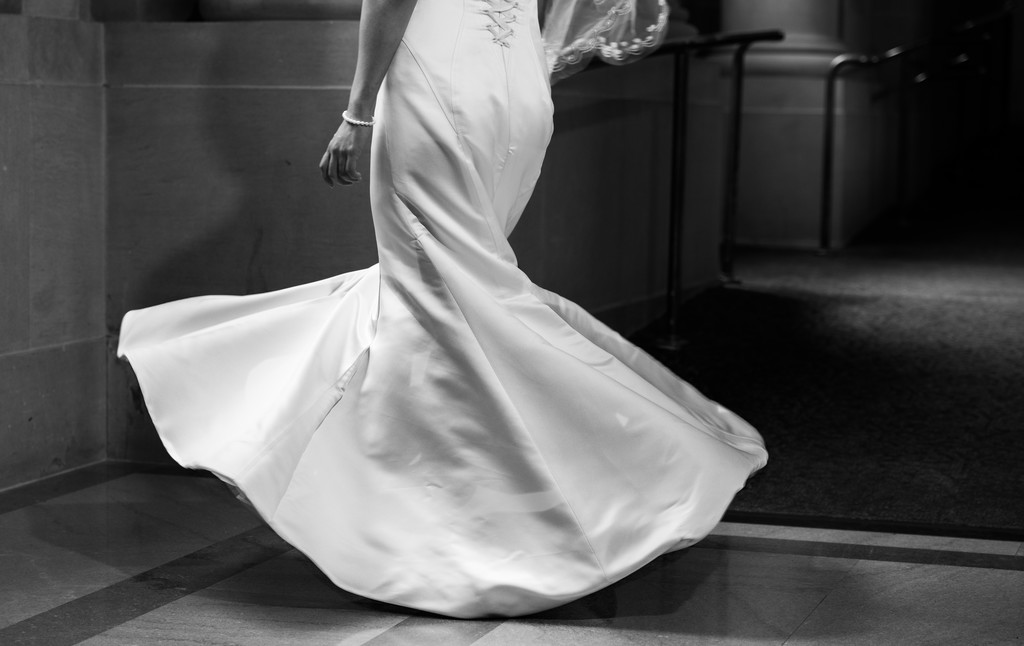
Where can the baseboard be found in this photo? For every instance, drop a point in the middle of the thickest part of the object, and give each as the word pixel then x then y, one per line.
pixel 630 317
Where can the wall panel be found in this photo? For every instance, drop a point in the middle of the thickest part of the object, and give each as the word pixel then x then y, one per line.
pixel 67 218
pixel 52 336
pixel 15 148
pixel 54 410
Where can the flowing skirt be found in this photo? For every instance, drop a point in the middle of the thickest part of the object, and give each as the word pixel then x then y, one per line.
pixel 436 431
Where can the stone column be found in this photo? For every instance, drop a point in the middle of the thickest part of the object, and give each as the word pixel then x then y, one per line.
pixel 780 166
pixel 811 26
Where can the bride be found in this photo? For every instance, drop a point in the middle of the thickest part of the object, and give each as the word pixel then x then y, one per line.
pixel 436 431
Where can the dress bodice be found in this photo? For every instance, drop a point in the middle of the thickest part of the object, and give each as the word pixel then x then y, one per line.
pixel 503 23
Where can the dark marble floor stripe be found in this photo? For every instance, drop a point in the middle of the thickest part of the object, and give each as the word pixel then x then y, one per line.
pixel 112 606
pixel 34 493
pixel 42 490
pixel 65 483
pixel 419 630
pixel 875 525
pixel 863 552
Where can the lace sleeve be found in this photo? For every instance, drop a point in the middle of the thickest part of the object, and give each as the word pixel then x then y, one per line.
pixel 618 31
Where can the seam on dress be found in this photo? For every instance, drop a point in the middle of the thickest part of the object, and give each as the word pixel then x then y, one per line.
pixel 396 183
pixel 497 237
pixel 506 58
pixel 525 428
pixel 451 73
pixel 420 229
pixel 449 118
pixel 417 226
pixel 343 382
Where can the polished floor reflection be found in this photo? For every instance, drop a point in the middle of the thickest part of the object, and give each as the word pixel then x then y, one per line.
pixel 121 555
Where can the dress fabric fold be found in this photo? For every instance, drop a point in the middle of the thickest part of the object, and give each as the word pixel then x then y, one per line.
pixel 436 431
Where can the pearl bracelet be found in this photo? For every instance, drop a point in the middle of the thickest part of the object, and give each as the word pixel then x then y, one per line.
pixel 356 122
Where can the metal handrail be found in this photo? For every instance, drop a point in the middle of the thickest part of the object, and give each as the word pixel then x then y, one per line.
pixel 706 42
pixel 682 49
pixel 842 61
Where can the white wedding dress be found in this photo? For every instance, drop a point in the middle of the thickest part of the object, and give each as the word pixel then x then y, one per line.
pixel 436 431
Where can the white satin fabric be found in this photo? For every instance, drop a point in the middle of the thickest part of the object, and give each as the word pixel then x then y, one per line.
pixel 436 431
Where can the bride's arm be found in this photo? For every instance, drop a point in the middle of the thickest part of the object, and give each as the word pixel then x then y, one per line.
pixel 382 24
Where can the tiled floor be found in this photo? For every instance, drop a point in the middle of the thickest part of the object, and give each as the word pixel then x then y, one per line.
pixel 112 556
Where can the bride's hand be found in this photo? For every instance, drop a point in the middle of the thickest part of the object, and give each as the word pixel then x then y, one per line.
pixel 343 153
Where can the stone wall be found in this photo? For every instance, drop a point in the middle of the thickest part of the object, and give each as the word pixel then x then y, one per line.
pixel 52 246
pixel 783 124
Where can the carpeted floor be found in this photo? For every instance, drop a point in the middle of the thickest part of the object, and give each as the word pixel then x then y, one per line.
pixel 888 379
